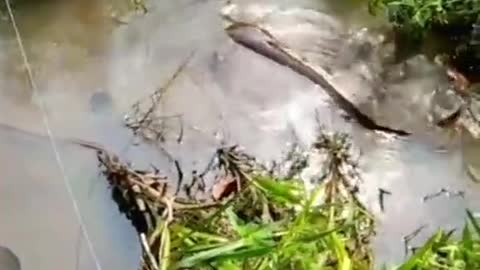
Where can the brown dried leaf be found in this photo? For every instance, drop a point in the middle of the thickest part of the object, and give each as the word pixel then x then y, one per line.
pixel 226 186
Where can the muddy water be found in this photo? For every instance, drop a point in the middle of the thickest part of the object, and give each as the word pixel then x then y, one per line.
pixel 67 43
pixel 227 95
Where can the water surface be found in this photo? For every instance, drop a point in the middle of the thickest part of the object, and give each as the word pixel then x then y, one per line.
pixel 227 94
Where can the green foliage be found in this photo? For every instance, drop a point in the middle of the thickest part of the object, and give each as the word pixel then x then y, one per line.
pixel 443 252
pixel 273 224
pixel 420 15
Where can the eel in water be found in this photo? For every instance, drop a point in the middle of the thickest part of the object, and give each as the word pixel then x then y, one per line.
pixel 8 260
pixel 262 42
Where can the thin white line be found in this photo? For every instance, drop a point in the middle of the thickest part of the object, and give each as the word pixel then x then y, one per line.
pixel 46 123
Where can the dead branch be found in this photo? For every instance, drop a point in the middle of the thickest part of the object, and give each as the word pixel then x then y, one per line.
pixel 146 121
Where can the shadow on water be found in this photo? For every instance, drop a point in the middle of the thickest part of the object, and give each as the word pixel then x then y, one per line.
pixel 90 69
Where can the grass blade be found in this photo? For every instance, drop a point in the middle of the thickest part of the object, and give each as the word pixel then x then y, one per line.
pixel 164 256
pixel 474 222
pixel 285 192
pixel 204 256
pixel 344 262
pixel 414 260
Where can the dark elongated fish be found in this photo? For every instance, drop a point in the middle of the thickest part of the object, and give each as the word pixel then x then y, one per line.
pixel 263 43
pixel 8 260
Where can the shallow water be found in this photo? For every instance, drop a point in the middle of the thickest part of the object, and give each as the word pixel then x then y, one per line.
pixel 227 94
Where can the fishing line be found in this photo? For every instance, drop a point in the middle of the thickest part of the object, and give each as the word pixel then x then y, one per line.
pixel 46 123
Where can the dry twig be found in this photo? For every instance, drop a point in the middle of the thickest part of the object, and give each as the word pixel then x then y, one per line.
pixel 145 119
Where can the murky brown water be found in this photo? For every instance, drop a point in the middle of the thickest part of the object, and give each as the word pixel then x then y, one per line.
pixel 227 93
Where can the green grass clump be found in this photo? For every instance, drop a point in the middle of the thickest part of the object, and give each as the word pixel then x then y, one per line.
pixel 441 251
pixel 418 16
pixel 272 223
pixel 275 223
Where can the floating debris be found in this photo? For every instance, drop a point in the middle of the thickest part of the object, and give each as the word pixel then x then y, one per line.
pixel 146 119
pixel 381 197
pixel 144 198
pixel 409 237
pixel 446 192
